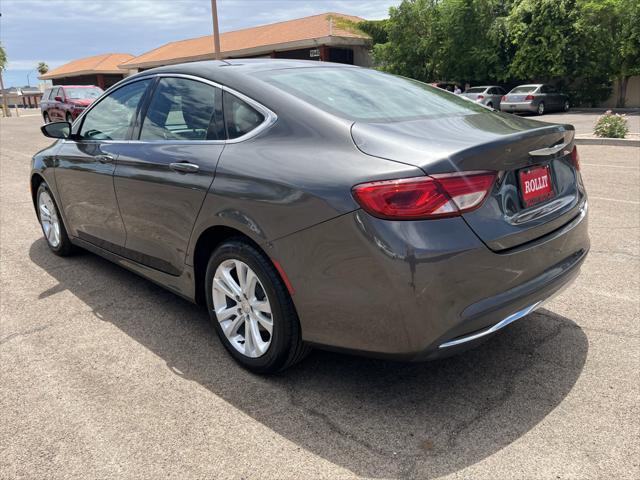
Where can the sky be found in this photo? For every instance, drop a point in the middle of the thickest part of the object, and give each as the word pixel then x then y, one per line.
pixel 58 31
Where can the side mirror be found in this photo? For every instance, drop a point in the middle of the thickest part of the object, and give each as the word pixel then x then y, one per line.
pixel 58 99
pixel 56 130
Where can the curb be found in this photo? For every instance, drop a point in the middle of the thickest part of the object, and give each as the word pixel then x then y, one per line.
pixel 620 142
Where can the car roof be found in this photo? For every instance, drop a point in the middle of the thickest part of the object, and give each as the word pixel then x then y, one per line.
pixel 77 86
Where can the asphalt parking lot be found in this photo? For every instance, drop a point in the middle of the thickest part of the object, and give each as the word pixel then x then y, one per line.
pixel 105 375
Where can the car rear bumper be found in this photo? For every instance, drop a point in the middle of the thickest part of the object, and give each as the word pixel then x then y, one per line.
pixel 414 290
pixel 518 106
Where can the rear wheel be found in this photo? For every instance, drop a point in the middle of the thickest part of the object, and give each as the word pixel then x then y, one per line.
pixel 251 308
pixel 49 216
pixel 490 105
pixel 565 107
pixel 46 117
pixel 69 118
pixel 540 110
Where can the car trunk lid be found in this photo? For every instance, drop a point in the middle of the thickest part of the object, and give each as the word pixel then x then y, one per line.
pixel 492 141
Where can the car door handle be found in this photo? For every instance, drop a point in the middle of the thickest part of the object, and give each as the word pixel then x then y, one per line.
pixel 105 158
pixel 184 167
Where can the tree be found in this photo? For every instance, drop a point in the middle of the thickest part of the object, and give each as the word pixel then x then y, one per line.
pixel 627 53
pixel 3 65
pixel 446 40
pixel 413 35
pixel 42 68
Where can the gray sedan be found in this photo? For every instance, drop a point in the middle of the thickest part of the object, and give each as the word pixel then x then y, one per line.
pixel 489 96
pixel 537 98
pixel 315 204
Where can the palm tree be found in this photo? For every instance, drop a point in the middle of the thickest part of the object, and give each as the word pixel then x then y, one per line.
pixel 3 65
pixel 42 68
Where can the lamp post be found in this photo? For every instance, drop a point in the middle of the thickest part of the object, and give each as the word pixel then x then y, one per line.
pixel 216 32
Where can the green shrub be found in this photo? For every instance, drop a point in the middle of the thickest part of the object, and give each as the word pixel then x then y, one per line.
pixel 612 125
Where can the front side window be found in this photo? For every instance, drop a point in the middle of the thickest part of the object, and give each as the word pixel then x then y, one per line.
pixel 369 95
pixel 181 109
pixel 110 119
pixel 240 117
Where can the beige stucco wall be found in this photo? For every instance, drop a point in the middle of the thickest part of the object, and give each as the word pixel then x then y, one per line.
pixel 633 94
pixel 361 56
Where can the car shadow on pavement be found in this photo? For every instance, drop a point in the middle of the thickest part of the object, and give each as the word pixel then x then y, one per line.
pixel 375 418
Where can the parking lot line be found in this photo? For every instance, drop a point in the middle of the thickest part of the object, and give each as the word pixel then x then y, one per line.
pixel 633 202
pixel 609 166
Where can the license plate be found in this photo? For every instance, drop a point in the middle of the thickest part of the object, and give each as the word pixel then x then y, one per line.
pixel 535 185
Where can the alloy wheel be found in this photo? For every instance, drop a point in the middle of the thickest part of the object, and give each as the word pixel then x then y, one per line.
pixel 242 308
pixel 540 108
pixel 49 219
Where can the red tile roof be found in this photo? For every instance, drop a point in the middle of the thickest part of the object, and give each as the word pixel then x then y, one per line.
pixel 256 40
pixel 106 63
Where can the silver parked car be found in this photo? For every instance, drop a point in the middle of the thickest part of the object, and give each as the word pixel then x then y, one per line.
pixel 538 98
pixel 487 95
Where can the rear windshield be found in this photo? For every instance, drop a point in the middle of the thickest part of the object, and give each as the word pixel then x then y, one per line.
pixel 526 89
pixel 368 95
pixel 83 93
pixel 475 90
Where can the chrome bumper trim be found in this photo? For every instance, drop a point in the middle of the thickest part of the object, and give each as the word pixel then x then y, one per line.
pixel 503 323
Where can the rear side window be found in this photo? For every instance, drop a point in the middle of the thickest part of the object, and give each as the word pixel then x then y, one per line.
pixel 524 89
pixel 110 119
pixel 240 117
pixel 181 109
pixel 369 95
pixel 475 90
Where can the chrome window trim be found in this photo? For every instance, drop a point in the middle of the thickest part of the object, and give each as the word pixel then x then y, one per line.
pixel 269 116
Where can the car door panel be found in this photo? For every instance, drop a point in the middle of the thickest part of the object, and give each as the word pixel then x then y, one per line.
pixel 85 164
pixel 159 205
pixel 84 176
pixel 162 179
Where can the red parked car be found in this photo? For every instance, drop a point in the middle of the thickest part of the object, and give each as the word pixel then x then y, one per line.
pixel 65 103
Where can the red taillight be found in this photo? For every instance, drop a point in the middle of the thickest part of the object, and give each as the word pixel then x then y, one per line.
pixel 575 158
pixel 530 97
pixel 480 97
pixel 504 98
pixel 445 195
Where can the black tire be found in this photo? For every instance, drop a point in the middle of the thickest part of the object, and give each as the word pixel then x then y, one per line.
pixel 490 105
pixel 541 109
pixel 286 347
pixel 65 247
pixel 566 106
pixel 68 118
pixel 46 117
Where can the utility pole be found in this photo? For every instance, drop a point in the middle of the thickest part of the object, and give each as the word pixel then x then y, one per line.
pixel 216 32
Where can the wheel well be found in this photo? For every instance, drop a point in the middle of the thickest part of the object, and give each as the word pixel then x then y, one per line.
pixel 207 243
pixel 36 180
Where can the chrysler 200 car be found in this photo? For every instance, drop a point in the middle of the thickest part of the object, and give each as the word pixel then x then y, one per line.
pixel 313 204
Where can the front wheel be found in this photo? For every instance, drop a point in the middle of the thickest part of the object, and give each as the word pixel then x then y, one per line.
pixel 49 216
pixel 251 308
pixel 540 110
pixel 69 118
